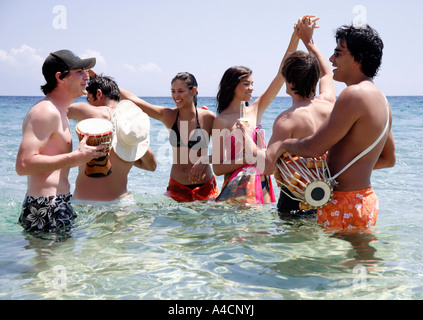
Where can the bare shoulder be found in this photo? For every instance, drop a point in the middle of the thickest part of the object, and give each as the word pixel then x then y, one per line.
pixel 285 122
pixel 350 93
pixel 82 110
pixel 284 118
pixel 361 92
pixel 360 97
pixel 322 108
pixel 43 117
pixel 206 113
pixel 79 105
pixel 169 116
pixel 45 105
pixel 221 122
pixel 349 100
pixel 206 119
pixel 44 110
pixel 76 109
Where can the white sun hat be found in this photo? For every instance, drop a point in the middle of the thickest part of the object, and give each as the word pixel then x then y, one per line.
pixel 132 131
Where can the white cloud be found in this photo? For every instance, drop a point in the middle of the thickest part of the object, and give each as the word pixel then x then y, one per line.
pixel 150 67
pixel 25 56
pixel 129 68
pixel 100 60
pixel 145 68
pixel 7 58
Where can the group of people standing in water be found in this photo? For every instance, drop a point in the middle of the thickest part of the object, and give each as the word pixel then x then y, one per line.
pixel 317 123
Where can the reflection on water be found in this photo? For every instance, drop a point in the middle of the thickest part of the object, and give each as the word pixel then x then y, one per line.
pixel 157 249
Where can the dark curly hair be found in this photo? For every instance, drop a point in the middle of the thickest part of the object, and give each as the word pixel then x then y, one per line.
pixel 365 45
pixel 107 86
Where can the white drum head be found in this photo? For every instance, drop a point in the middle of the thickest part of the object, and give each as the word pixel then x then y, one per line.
pixel 317 194
pixel 95 126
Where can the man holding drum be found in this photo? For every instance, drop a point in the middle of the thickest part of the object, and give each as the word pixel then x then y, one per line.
pixel 45 154
pixel 361 118
pixel 130 144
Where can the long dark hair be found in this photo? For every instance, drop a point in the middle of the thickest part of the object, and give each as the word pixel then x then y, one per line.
pixel 189 80
pixel 231 78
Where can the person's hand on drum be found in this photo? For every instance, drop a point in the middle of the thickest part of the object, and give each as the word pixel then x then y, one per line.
pixel 87 153
pixel 281 151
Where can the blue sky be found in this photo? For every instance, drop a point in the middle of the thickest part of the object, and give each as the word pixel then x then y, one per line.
pixel 144 43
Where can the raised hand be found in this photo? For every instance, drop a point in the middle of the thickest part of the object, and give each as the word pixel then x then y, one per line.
pixel 305 27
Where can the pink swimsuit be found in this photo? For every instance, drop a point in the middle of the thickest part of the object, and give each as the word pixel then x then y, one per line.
pixel 246 184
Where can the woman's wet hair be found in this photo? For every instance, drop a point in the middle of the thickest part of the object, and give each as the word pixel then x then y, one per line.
pixel 230 79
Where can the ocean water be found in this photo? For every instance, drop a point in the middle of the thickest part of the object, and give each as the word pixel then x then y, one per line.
pixel 162 250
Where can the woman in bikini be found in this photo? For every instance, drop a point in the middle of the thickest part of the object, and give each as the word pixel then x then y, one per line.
pixel 190 130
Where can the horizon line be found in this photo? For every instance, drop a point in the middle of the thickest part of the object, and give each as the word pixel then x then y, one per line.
pixel 168 96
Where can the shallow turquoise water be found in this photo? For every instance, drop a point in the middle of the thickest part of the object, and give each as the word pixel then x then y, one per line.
pixel 159 249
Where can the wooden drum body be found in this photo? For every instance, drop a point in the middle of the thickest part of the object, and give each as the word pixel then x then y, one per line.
pixel 307 179
pixel 100 131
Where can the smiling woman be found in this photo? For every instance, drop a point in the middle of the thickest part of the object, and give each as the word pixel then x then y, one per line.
pixel 191 177
pixel 244 179
pixel 236 88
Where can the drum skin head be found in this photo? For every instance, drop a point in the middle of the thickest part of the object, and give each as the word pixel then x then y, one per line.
pixel 317 194
pixel 94 127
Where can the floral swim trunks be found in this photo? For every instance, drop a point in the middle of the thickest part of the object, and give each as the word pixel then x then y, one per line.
pixel 350 210
pixel 47 213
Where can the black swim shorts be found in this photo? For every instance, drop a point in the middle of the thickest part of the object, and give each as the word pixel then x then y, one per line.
pixel 290 207
pixel 47 213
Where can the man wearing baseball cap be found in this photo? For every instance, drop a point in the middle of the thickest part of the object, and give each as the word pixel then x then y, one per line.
pixel 62 61
pixel 45 154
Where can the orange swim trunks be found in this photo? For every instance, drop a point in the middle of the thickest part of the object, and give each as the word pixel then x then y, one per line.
pixel 182 193
pixel 350 210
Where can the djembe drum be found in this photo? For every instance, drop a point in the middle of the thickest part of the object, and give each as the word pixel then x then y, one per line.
pixel 100 131
pixel 308 180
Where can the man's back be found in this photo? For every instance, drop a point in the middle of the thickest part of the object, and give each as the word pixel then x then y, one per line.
pixel 304 120
pixel 298 121
pixel 106 188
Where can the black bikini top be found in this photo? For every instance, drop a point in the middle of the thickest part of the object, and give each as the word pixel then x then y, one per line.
pixel 197 139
